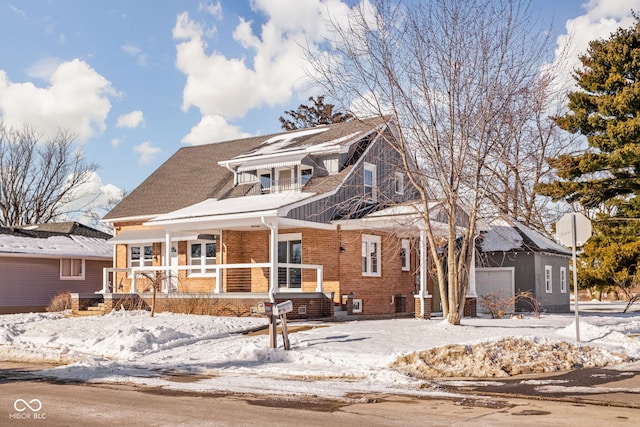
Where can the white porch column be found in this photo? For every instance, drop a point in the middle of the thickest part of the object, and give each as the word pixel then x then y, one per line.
pixel 423 271
pixel 167 262
pixel 273 258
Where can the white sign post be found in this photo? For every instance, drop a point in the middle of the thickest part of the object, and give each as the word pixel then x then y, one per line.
pixel 573 230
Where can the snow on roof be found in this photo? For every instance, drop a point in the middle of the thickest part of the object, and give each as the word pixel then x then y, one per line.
pixel 503 235
pixel 234 206
pixel 57 246
pixel 281 141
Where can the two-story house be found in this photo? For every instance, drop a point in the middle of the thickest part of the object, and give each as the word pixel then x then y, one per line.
pixel 268 218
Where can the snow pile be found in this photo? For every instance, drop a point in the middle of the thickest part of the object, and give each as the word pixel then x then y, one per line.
pixel 503 358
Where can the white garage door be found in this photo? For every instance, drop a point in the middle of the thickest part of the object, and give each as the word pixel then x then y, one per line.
pixel 498 281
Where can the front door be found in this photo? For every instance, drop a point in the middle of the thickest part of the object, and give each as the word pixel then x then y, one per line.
pixel 290 252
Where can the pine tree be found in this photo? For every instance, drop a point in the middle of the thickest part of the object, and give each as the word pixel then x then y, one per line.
pixel 314 114
pixel 605 177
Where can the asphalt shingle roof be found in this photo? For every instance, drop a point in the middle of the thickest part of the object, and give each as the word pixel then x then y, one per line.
pixel 192 174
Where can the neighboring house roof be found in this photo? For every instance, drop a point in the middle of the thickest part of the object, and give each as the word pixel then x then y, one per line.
pixel 60 240
pixel 504 234
pixel 198 173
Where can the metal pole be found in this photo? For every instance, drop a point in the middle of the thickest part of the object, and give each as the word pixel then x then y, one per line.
pixel 575 275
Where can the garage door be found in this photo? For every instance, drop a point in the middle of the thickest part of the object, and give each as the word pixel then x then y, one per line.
pixel 498 281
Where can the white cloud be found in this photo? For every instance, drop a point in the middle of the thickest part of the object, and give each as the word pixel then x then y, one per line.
pixel 146 152
pixel 91 201
pixel 213 9
pixel 229 87
pixel 600 20
pixel 76 99
pixel 115 142
pixel 130 120
pixel 213 129
pixel 44 68
pixel 21 13
pixel 134 51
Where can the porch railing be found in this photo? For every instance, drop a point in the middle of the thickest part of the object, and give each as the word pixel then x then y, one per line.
pixel 236 276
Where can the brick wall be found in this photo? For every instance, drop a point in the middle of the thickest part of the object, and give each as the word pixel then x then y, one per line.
pixel 379 295
pixel 427 307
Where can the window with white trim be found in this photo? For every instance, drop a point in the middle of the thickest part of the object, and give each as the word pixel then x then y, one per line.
pixel 404 255
pixel 140 256
pixel 563 280
pixel 290 252
pixel 399 183
pixel 201 255
pixel 71 269
pixel 371 255
pixel 548 284
pixel 370 182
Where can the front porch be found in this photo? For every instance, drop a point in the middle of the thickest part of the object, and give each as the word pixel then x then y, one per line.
pixel 308 305
pixel 215 278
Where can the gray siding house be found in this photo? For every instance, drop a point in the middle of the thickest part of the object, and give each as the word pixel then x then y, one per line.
pixel 38 262
pixel 514 258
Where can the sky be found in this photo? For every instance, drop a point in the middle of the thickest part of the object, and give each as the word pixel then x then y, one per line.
pixel 137 80
pixel 326 359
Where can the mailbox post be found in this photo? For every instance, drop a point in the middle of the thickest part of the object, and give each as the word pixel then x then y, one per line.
pixel 281 310
pixel 266 308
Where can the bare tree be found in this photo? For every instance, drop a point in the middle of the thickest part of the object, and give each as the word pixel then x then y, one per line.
pixel 530 137
pixel 38 178
pixel 449 72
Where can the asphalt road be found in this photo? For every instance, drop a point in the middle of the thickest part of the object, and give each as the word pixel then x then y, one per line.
pixel 27 400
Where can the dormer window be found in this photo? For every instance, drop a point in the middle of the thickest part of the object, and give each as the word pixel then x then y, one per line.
pixel 305 176
pixel 265 183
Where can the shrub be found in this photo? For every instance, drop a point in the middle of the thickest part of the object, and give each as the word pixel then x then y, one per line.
pixel 60 302
pixel 497 304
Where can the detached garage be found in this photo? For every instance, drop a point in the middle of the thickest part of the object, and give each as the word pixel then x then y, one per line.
pixel 499 281
pixel 514 258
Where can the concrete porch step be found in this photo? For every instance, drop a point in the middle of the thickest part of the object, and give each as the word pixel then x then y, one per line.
pixel 82 313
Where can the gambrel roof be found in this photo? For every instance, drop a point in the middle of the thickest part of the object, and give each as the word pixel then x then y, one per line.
pixel 198 173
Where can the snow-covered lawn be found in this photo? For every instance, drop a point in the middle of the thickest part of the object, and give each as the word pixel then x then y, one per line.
pixel 327 359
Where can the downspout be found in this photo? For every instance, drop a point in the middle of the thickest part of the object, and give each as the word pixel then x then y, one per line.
pixel 235 175
pixel 273 258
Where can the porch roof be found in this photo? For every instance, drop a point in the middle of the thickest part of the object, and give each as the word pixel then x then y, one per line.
pixel 276 162
pixel 405 218
pixel 229 211
pixel 149 235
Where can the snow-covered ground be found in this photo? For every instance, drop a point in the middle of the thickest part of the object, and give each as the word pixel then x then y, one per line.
pixel 327 359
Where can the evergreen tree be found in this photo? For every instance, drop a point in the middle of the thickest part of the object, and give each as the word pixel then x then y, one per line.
pixel 314 114
pixel 606 176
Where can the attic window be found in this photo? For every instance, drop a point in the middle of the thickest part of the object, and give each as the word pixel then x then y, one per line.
pixel 370 182
pixel 305 175
pixel 399 183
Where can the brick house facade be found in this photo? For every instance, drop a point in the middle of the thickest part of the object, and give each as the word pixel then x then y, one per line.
pixel 274 218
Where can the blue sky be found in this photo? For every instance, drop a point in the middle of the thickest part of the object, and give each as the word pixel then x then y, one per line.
pixel 136 80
